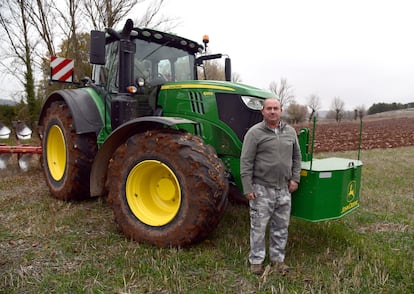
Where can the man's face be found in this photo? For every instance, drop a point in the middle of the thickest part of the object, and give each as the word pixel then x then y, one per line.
pixel 271 111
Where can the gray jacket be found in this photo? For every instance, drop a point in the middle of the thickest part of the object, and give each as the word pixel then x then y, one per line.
pixel 270 158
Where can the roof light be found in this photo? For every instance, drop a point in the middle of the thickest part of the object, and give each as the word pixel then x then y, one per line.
pixel 206 39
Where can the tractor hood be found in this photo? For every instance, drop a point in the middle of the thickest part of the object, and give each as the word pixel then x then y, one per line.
pixel 219 86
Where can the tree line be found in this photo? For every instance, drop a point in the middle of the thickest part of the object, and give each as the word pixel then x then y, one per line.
pixel 382 107
pixel 31 32
pixel 296 113
pixel 34 30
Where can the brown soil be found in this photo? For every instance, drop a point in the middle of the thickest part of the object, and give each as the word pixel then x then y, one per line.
pixel 376 133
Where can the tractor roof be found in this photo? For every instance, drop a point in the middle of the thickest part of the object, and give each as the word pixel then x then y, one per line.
pixel 163 38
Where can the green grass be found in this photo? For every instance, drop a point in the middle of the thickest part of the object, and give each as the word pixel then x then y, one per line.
pixel 50 246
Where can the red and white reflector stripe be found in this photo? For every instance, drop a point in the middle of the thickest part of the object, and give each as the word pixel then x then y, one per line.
pixel 61 69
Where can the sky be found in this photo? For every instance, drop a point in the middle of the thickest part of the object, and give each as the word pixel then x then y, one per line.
pixel 361 51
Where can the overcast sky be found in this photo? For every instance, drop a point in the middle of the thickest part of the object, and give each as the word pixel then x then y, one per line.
pixel 361 51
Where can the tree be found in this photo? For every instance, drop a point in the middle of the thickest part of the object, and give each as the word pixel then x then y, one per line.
pixel 297 113
pixel 13 21
pixel 153 18
pixel 7 114
pixel 39 16
pixel 314 103
pixel 211 70
pixel 29 39
pixel 107 13
pixel 283 91
pixel 337 106
pixel 360 112
pixel 214 70
pixel 235 77
pixel 381 107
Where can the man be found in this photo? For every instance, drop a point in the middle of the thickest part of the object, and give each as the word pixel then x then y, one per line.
pixel 270 172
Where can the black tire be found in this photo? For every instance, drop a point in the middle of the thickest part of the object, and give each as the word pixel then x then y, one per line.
pixel 167 188
pixel 67 157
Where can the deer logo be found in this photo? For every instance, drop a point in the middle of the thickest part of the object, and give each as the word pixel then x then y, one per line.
pixel 351 191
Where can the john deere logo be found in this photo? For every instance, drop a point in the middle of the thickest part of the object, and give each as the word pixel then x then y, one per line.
pixel 351 191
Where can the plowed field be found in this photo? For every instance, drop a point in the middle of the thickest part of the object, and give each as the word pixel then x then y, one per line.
pixel 376 133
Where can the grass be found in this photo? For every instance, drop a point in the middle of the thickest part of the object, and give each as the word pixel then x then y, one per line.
pixel 50 246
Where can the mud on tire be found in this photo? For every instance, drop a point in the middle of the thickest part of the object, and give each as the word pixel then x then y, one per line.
pixel 67 156
pixel 167 188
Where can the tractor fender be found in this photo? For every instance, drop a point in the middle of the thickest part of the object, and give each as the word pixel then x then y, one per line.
pixel 83 108
pixel 118 137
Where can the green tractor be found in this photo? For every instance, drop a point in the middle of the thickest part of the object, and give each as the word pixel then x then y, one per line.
pixel 145 131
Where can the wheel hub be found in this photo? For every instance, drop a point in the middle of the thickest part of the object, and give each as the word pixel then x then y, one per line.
pixel 166 189
pixel 153 193
pixel 56 152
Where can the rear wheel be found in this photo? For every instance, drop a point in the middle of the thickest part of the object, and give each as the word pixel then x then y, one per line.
pixel 67 156
pixel 167 188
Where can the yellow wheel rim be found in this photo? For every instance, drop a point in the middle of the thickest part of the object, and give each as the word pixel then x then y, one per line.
pixel 56 152
pixel 153 193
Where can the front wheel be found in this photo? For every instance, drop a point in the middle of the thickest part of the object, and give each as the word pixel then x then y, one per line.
pixel 167 188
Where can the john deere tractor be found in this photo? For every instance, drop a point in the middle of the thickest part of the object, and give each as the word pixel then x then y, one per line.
pixel 161 143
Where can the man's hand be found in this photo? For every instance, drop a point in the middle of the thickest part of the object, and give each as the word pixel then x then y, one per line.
pixel 292 186
pixel 250 196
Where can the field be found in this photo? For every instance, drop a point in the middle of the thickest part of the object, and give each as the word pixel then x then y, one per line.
pixel 386 131
pixel 50 246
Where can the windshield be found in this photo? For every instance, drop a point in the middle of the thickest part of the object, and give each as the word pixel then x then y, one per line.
pixel 159 63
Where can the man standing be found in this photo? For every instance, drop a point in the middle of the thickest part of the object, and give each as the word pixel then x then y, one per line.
pixel 270 172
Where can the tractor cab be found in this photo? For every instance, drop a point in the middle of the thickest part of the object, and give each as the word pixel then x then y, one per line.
pixel 130 66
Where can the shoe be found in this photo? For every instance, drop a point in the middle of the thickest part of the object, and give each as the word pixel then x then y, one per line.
pixel 281 267
pixel 256 269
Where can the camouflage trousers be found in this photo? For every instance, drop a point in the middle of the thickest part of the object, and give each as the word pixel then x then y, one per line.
pixel 270 207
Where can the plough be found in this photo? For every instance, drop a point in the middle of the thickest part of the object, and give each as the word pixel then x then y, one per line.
pixel 24 151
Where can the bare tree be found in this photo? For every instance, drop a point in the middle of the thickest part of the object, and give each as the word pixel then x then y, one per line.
pixel 39 18
pixel 314 103
pixel 338 107
pixel 283 91
pixel 297 113
pixel 109 13
pixel 13 21
pixel 153 17
pixel 360 112
pixel 214 70
pixel 211 70
pixel 235 77
pixel 70 15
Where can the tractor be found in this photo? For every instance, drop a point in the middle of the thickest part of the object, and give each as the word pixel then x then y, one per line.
pixel 147 131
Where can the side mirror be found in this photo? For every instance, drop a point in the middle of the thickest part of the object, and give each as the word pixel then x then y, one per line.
pixel 97 48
